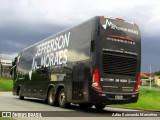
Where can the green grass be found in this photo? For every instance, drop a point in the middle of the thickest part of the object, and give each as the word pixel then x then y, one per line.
pixel 148 99
pixel 6 118
pixel 6 84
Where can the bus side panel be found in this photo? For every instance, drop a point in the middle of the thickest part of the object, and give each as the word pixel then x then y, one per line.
pixel 35 77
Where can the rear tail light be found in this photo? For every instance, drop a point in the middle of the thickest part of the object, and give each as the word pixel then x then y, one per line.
pixel 138 83
pixel 96 80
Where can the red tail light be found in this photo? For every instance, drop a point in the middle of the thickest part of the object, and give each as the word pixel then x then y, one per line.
pixel 96 80
pixel 138 83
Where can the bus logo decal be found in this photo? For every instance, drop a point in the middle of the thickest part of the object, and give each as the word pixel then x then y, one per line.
pixel 52 53
pixel 115 27
pixel 107 24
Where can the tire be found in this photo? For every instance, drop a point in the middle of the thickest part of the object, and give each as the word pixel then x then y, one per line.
pixel 62 99
pixel 100 106
pixel 20 95
pixel 51 97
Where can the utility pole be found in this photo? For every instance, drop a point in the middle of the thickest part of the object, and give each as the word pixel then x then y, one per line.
pixel 150 75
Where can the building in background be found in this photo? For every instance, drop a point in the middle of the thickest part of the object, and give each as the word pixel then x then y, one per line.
pixel 157 80
pixel 5 66
pixel 145 79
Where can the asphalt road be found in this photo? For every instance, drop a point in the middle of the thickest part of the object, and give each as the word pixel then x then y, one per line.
pixel 8 102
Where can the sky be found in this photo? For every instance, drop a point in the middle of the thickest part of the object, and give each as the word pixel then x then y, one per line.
pixel 25 22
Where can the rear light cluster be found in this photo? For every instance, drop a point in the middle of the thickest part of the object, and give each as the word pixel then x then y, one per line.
pixel 96 80
pixel 138 83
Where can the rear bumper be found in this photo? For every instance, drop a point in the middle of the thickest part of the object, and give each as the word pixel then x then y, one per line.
pixel 109 98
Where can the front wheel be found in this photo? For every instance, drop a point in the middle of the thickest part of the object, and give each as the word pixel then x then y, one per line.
pixel 100 106
pixel 62 99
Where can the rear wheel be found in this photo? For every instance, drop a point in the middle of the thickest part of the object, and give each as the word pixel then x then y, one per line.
pixel 20 95
pixel 100 106
pixel 62 99
pixel 51 97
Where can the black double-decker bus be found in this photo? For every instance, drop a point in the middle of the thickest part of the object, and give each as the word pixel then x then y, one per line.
pixel 94 63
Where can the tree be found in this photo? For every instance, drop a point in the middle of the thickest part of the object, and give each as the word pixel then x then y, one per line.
pixel 143 77
pixel 157 72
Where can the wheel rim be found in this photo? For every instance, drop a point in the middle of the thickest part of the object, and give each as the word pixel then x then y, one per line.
pixel 62 98
pixel 51 97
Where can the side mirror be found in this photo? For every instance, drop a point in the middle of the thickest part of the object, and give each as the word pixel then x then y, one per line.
pixel 14 62
pixel 12 70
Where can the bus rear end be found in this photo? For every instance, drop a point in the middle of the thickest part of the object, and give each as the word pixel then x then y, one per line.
pixel 116 77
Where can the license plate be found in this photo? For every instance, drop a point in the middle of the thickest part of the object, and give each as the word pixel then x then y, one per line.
pixel 119 97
